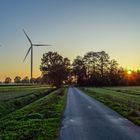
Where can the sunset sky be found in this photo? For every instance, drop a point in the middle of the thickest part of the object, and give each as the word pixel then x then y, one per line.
pixel 73 27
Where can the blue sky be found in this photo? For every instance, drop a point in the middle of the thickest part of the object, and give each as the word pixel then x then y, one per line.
pixel 73 27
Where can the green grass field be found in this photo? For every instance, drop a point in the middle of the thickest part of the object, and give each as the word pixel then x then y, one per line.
pixel 9 92
pixel 30 112
pixel 15 97
pixel 124 100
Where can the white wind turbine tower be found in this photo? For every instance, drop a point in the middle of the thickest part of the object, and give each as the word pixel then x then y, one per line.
pixel 31 49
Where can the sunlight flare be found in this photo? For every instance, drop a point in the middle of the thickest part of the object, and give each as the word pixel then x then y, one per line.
pixel 129 72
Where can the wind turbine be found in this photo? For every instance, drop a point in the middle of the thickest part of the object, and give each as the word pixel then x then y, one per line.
pixel 31 49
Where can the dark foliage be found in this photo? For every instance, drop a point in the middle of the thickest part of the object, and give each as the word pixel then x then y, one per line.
pixel 54 68
pixel 96 69
pixel 93 69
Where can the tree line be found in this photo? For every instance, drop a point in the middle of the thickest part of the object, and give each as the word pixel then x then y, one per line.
pixel 92 69
pixel 17 80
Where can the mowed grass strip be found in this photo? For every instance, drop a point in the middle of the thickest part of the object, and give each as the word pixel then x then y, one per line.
pixel 39 120
pixel 125 104
pixel 7 106
pixel 134 90
pixel 11 92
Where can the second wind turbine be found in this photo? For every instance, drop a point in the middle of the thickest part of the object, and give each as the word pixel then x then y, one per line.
pixel 31 49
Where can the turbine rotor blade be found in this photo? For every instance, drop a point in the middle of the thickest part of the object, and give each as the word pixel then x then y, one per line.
pixel 27 37
pixel 27 54
pixel 41 45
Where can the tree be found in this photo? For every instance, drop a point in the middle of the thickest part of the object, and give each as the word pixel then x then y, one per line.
pixel 32 80
pixel 38 80
pixel 79 70
pixel 17 79
pixel 90 61
pixel 113 73
pixel 137 77
pixel 103 61
pixel 55 68
pixel 25 79
pixel 8 80
pixel 102 67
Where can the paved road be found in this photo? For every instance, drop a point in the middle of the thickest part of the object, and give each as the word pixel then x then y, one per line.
pixel 87 119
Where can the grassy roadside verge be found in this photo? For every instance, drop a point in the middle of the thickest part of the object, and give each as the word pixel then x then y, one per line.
pixel 7 106
pixel 125 104
pixel 39 120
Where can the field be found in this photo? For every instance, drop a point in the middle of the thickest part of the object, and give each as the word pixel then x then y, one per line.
pixel 124 100
pixel 30 112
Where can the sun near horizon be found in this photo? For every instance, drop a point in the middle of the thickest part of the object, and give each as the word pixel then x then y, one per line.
pixel 129 72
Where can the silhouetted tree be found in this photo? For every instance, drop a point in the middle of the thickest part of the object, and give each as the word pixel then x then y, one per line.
pixel 55 68
pixel 33 80
pixel 38 80
pixel 8 80
pixel 79 70
pixel 90 61
pixel 113 73
pixel 137 77
pixel 25 79
pixel 101 67
pixel 17 79
pixel 103 61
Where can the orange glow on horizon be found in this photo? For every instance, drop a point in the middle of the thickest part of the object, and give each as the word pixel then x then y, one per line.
pixel 21 73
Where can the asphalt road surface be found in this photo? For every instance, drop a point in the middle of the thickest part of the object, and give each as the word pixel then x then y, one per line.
pixel 87 119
